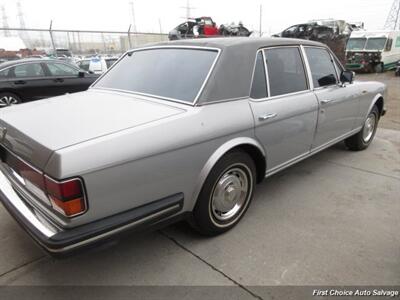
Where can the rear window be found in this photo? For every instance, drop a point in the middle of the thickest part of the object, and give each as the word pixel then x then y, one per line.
pixel 167 73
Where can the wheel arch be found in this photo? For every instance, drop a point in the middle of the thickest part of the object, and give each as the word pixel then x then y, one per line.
pixel 379 102
pixel 9 90
pixel 246 144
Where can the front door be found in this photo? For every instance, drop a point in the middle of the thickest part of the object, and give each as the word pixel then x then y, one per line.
pixel 338 104
pixel 65 79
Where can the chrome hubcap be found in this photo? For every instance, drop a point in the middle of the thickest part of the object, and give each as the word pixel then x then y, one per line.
pixel 7 101
pixel 230 194
pixel 369 127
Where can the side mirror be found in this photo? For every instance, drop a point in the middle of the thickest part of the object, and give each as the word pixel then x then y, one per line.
pixel 347 76
pixel 81 74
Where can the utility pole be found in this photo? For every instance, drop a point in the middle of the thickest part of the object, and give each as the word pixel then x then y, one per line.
pixel 20 15
pixel 260 20
pixel 133 16
pixel 159 23
pixel 188 9
pixel 5 21
pixel 53 45
pixel 393 18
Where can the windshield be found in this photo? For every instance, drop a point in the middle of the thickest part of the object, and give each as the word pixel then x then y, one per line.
pixel 356 44
pixel 375 43
pixel 174 73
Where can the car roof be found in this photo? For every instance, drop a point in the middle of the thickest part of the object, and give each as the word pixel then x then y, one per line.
pixel 241 42
pixel 28 60
pixel 231 77
pixel 18 61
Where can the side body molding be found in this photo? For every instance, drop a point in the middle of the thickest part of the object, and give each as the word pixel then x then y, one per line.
pixel 239 141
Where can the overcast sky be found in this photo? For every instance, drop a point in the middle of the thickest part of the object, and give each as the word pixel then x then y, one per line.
pixel 116 14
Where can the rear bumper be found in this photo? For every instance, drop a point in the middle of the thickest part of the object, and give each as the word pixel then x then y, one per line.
pixel 57 241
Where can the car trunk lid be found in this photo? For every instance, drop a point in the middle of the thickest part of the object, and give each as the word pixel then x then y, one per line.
pixel 34 130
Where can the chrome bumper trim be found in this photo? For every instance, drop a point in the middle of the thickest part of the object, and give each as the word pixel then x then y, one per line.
pixel 8 190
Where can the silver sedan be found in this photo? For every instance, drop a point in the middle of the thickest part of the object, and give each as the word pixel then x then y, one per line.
pixel 177 130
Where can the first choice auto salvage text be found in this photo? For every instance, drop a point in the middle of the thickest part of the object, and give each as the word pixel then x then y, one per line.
pixel 356 292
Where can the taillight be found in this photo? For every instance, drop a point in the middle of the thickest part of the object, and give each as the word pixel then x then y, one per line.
pixel 66 197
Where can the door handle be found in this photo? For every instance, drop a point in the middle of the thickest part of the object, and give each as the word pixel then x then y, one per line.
pixel 326 101
pixel 58 80
pixel 20 82
pixel 267 116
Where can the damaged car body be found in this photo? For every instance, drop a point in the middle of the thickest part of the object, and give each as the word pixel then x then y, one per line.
pixel 204 27
pixel 333 33
pixel 373 51
pixel 189 146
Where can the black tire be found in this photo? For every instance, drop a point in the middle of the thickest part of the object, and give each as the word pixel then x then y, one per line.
pixel 235 166
pixel 358 141
pixel 8 99
pixel 378 68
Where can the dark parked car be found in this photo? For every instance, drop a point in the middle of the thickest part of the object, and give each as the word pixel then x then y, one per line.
pixel 32 79
pixel 397 70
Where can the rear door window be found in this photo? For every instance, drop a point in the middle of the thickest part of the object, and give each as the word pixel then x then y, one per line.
pixel 322 69
pixel 286 72
pixel 259 85
pixel 4 74
pixel 28 70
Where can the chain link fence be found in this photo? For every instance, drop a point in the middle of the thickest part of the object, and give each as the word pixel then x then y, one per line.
pixel 28 42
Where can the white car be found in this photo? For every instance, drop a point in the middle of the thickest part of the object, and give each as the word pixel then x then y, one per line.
pixel 96 65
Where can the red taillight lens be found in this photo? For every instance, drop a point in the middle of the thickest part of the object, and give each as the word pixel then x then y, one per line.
pixel 26 172
pixel 66 197
pixel 64 191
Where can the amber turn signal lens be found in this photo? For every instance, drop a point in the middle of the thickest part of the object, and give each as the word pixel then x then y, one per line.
pixel 69 208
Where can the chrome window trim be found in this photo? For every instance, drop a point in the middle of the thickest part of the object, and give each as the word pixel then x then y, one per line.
pixel 194 102
pixel 269 97
pixel 142 94
pixel 222 101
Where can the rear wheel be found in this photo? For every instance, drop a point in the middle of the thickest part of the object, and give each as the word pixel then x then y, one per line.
pixel 226 194
pixel 8 99
pixel 363 139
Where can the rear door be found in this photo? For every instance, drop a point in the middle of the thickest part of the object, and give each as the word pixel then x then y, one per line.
pixel 65 78
pixel 28 80
pixel 338 104
pixel 285 110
